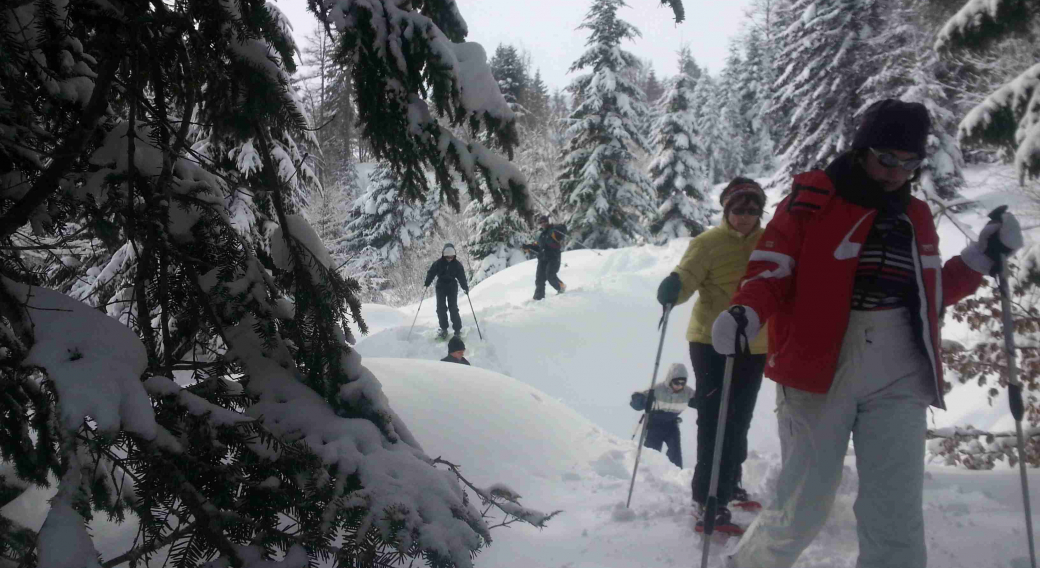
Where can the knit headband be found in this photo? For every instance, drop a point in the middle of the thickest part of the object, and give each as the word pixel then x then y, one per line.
pixel 742 189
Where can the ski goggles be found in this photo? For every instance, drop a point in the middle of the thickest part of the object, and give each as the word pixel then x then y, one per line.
pixel 681 382
pixel 889 160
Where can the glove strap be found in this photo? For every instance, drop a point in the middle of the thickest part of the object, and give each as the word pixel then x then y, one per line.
pixel 995 248
pixel 739 313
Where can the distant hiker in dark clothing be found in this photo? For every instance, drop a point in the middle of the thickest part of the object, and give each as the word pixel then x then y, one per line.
pixel 667 401
pixel 548 249
pixel 456 351
pixel 450 275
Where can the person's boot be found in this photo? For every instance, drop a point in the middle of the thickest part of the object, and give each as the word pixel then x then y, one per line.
pixel 458 332
pixel 742 500
pixel 563 287
pixel 443 333
pixel 723 523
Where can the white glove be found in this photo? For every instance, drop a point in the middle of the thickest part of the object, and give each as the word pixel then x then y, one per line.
pixel 1001 236
pixel 724 330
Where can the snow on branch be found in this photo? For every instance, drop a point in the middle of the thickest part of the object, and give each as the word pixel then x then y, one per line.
pixel 978 449
pixel 503 498
pixel 94 361
pixel 993 121
pixel 980 21
pixel 402 496
pixel 403 62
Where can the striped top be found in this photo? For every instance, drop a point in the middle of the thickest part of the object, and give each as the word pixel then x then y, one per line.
pixel 885 276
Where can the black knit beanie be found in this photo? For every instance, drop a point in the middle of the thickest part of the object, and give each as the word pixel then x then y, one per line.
pixel 456 344
pixel 894 125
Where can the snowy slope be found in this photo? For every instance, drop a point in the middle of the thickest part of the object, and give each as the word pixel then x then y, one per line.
pixel 544 411
pixel 591 347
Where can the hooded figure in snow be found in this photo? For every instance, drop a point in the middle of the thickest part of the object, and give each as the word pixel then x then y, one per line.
pixel 450 275
pixel 666 402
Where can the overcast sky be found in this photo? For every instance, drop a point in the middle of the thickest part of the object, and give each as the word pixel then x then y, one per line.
pixel 546 28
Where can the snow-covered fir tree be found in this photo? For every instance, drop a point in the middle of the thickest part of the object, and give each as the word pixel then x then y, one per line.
pixel 755 78
pixel 509 70
pixel 707 121
pixel 607 199
pixel 498 235
pixel 383 224
pixel 822 61
pixel 908 69
pixel 732 137
pixel 154 153
pixel 653 88
pixel 538 100
pixel 677 171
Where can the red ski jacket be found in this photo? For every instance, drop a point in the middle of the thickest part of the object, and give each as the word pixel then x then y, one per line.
pixel 800 278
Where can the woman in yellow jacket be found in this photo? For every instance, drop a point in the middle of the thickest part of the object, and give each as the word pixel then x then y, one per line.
pixel 713 265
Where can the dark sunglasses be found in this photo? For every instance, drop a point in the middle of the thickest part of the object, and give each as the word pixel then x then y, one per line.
pixel 747 211
pixel 889 160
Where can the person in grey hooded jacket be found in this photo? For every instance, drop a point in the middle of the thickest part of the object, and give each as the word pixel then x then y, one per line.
pixel 666 402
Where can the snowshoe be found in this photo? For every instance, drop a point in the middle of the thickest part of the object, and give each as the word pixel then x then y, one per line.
pixel 723 523
pixel 563 288
pixel 442 335
pixel 743 501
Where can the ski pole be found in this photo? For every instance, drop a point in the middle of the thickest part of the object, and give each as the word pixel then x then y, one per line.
pixel 421 298
pixel 1015 390
pixel 645 421
pixel 638 424
pixel 712 504
pixel 474 315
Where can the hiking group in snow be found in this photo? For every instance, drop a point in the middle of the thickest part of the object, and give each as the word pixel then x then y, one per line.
pixel 838 300
pixel 450 275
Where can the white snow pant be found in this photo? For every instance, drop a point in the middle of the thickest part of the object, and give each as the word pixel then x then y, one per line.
pixel 880 394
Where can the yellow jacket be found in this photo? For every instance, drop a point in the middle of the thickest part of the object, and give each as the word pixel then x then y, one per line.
pixel 713 265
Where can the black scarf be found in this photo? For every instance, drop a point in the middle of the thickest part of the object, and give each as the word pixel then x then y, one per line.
pixel 852 184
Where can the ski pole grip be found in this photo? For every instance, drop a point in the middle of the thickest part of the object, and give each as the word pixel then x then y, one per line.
pixel 1015 398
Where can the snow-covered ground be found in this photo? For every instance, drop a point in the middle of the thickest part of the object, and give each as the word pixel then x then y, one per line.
pixel 558 431
pixel 544 410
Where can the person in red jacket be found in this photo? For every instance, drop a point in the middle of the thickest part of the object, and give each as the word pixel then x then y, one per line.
pixel 849 275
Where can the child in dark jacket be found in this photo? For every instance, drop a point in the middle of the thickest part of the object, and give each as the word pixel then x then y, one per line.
pixel 456 350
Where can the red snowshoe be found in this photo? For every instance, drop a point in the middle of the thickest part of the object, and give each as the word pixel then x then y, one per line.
pixel 723 523
pixel 743 501
pixel 749 506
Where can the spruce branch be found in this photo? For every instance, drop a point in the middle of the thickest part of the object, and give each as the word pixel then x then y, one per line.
pixel 135 554
pixel 66 155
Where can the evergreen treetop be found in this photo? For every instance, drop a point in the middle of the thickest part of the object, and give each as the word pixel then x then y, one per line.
pixel 607 198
